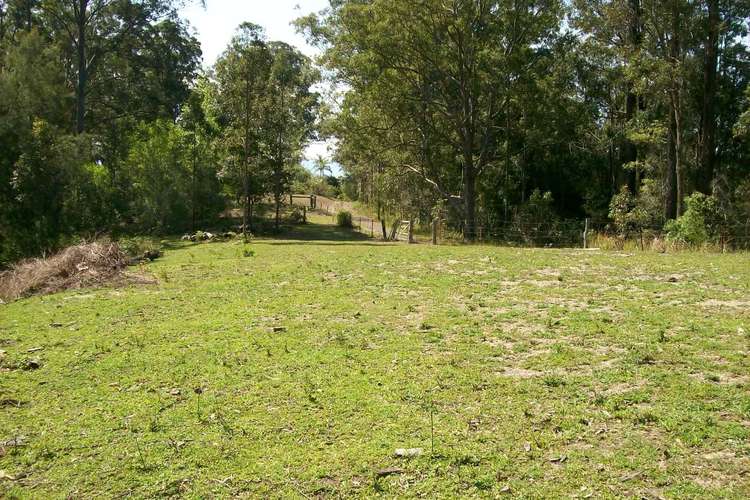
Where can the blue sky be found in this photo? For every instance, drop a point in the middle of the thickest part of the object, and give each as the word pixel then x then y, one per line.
pixel 215 25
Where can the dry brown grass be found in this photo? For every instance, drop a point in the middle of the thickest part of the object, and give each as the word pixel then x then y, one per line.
pixel 87 264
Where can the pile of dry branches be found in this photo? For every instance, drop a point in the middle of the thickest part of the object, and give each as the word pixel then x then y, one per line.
pixel 97 263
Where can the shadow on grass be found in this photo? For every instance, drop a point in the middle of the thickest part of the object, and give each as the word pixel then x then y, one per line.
pixel 317 233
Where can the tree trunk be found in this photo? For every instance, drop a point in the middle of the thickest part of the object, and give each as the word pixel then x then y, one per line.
pixel 670 194
pixel 246 220
pixel 679 174
pixel 278 209
pixel 246 196
pixel 674 184
pixel 469 175
pixel 707 146
pixel 193 186
pixel 629 151
pixel 82 68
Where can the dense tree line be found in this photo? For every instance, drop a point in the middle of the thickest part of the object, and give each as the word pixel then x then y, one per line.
pixel 621 110
pixel 109 125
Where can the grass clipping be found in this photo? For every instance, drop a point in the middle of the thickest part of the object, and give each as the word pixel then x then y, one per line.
pixel 79 266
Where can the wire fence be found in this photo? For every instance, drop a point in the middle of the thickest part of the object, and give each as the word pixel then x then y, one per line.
pixel 591 233
pixel 559 233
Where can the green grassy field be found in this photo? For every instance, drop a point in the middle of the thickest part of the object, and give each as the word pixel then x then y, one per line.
pixel 299 370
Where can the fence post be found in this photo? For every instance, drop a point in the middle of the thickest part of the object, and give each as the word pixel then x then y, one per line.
pixel 434 231
pixel 586 234
pixel 394 230
pixel 372 228
pixel 411 231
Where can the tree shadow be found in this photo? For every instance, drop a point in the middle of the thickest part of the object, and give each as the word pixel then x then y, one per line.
pixel 312 232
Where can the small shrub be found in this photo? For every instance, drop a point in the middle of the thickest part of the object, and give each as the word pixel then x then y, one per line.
pixel 700 224
pixel 297 216
pixel 139 246
pixel 625 212
pixel 247 251
pixel 344 219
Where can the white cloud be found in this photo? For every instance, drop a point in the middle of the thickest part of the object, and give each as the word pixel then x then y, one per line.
pixel 216 24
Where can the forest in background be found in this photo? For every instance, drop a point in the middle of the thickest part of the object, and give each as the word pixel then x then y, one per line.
pixel 109 125
pixel 633 113
pixel 630 112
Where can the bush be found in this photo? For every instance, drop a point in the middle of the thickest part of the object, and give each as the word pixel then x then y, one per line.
pixel 139 246
pixel 297 216
pixel 631 214
pixel 700 224
pixel 344 219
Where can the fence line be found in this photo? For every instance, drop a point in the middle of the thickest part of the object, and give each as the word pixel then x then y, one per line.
pixel 562 233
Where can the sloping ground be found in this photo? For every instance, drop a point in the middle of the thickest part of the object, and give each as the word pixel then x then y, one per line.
pixel 299 371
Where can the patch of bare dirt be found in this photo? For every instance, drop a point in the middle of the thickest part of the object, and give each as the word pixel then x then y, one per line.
pixel 725 304
pixel 520 373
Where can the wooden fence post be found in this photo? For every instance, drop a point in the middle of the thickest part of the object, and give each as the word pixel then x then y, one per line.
pixel 434 231
pixel 394 229
pixel 586 234
pixel 411 231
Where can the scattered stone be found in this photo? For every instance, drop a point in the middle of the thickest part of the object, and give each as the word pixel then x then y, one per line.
pixel 35 349
pixel 4 476
pixel 278 329
pixel 505 489
pixel 32 364
pixel 559 460
pixel 389 471
pixel 629 477
pixel 4 403
pixel 14 442
pixel 408 452
pixel 175 392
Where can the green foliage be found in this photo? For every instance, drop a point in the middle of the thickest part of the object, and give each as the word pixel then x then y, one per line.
pixel 297 216
pixel 159 177
pixel 344 219
pixel 538 209
pixel 349 188
pixel 700 224
pixel 137 246
pixel 268 110
pixel 485 102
